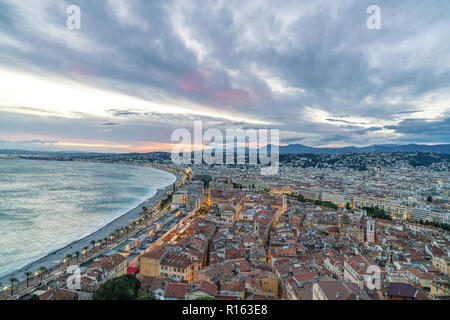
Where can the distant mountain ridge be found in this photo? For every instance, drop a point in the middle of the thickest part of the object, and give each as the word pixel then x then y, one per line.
pixel 299 148
pixel 289 149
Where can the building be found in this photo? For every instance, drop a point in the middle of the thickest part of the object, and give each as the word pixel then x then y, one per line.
pixel 150 262
pixel 159 263
pixel 200 289
pixel 310 193
pixel 400 291
pixel 179 199
pixel 338 290
pixel 421 213
pixel 394 209
pixel 357 270
pixel 111 267
pixel 439 290
pixel 334 197
pixel 178 267
pixel 442 263
pixel 59 294
pixel 175 291
pixel 370 230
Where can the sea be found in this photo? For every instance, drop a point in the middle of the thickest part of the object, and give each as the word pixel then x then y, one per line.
pixel 46 205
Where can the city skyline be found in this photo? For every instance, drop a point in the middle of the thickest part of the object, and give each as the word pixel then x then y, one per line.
pixel 136 71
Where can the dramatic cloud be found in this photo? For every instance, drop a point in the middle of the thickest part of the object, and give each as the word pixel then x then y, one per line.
pixel 138 69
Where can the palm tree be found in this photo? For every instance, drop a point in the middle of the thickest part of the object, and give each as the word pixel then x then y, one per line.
pixel 77 254
pixel 28 275
pixel 93 245
pixel 13 282
pixel 68 257
pixel 85 251
pixel 42 270
pixel 99 244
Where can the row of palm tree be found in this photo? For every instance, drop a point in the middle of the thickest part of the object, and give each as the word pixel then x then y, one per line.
pixel 116 235
pixel 13 281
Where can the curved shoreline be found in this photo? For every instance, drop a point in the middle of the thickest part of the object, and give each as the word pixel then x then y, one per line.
pixel 50 259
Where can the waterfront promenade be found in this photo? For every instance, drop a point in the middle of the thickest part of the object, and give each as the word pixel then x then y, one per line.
pixel 124 227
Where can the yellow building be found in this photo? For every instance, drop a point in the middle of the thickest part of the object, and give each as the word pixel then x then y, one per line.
pixel 387 204
pixel 281 190
pixel 150 263
pixel 439 290
pixel 157 263
pixel 269 284
pixel 442 263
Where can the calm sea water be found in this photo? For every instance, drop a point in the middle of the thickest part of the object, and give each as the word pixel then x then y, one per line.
pixel 45 205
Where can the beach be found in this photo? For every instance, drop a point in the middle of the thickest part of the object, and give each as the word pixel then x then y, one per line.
pixel 57 256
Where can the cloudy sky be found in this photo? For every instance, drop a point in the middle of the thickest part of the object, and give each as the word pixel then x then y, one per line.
pixel 138 69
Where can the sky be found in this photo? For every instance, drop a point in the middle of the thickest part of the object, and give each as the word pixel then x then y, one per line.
pixel 137 70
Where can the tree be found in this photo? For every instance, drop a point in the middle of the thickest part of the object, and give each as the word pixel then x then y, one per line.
pixel 13 281
pixel 93 245
pixel 347 206
pixel 122 288
pixel 34 297
pixel 219 285
pixel 28 275
pixel 206 298
pixel 77 255
pixel 42 270
pixel 147 296
pixel 68 257
pixel 376 212
pixel 430 199
pixel 85 251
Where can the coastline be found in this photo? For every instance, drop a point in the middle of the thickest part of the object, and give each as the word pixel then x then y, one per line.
pixel 52 258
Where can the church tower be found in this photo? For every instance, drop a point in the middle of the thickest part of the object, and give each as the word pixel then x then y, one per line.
pixel 370 230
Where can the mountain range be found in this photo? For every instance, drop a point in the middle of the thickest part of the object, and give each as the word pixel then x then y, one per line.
pixel 299 148
pixel 289 149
